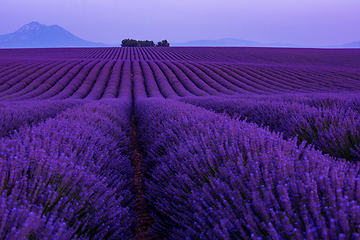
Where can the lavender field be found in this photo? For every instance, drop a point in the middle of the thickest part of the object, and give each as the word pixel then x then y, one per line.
pixel 179 143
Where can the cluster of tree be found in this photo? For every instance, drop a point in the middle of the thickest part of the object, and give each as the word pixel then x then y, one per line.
pixel 146 43
pixel 163 43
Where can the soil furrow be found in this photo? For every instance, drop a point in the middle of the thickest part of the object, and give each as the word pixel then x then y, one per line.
pixel 144 217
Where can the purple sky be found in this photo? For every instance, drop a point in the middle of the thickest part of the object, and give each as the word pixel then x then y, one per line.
pixel 304 22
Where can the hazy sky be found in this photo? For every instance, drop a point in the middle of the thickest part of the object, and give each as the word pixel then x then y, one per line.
pixel 304 22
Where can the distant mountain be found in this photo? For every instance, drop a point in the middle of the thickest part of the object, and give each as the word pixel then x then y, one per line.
pixel 36 35
pixel 231 42
pixel 351 45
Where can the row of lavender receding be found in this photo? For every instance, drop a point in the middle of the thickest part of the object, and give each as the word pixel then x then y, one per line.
pixel 323 100
pixel 335 130
pixel 208 176
pixel 16 115
pixel 275 80
pixel 333 58
pixel 181 145
pixel 113 53
pixel 69 177
pixel 39 90
pixel 144 53
pixel 97 79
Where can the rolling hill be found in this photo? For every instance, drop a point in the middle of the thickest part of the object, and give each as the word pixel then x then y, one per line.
pixel 231 42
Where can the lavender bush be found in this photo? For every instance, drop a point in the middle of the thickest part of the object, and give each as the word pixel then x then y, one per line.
pixel 71 83
pixel 45 85
pixel 173 80
pixel 57 85
pixel 33 81
pixel 15 115
pixel 95 143
pixel 8 81
pixel 211 177
pixel 150 82
pixel 69 176
pixel 111 90
pixel 185 80
pixel 334 130
pixel 88 82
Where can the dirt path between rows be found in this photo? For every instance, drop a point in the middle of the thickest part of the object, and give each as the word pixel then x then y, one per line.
pixel 141 232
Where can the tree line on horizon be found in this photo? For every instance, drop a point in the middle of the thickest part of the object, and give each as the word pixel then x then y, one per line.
pixel 146 43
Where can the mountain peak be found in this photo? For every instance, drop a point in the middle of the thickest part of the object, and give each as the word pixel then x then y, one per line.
pixel 33 26
pixel 35 23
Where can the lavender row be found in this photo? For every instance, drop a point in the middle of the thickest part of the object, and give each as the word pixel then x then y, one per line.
pixel 112 86
pixel 236 81
pixel 99 86
pixel 152 88
pixel 13 70
pixel 185 80
pixel 31 83
pixel 347 100
pixel 71 83
pixel 16 115
pixel 283 80
pixel 335 131
pixel 316 77
pixel 256 81
pixel 346 59
pixel 175 83
pixel 69 177
pixel 322 100
pixel 56 84
pixel 111 79
pixel 215 83
pixel 22 69
pixel 123 53
pixel 206 86
pixel 210 177
pixel 139 90
pixel 88 82
pixel 32 71
pixel 225 79
pixel 41 85
pixel 125 88
pixel 162 82
pixel 170 80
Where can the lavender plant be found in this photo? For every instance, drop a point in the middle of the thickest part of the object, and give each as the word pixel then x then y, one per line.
pixel 14 115
pixel 69 176
pixel 334 130
pixel 111 90
pixel 151 85
pixel 185 80
pixel 211 177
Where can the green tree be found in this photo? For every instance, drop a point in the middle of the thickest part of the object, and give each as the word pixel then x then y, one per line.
pixel 163 43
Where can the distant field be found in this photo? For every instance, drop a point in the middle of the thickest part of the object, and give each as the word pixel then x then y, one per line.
pixel 179 142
